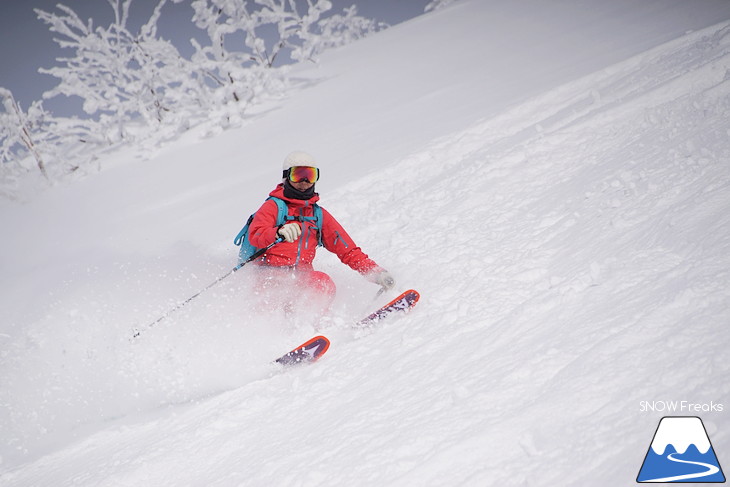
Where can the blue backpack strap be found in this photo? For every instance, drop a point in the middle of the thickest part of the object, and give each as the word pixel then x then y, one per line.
pixel 283 213
pixel 320 220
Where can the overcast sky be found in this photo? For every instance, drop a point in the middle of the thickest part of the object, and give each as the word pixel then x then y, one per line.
pixel 26 44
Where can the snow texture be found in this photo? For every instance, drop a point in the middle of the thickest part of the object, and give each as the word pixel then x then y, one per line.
pixel 551 176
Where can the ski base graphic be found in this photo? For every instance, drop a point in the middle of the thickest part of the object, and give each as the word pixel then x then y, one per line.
pixel 307 352
pixel 402 304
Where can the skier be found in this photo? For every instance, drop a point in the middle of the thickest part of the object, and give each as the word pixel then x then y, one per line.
pixel 285 272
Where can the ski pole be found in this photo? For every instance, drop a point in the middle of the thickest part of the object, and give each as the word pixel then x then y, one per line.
pixel 383 288
pixel 255 256
pixel 380 291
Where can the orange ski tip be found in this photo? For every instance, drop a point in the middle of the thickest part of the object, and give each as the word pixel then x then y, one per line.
pixel 418 295
pixel 312 340
pixel 403 294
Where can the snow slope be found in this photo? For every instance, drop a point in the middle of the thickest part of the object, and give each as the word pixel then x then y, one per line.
pixel 552 176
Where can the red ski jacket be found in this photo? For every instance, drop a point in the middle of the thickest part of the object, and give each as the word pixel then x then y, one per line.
pixel 301 252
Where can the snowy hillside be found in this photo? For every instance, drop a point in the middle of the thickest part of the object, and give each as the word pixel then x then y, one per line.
pixel 553 177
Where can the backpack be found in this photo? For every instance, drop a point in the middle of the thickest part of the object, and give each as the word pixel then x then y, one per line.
pixel 247 248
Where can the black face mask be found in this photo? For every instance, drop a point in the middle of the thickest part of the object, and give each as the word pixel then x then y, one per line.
pixel 293 193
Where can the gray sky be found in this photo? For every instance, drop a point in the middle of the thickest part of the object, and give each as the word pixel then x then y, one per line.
pixel 26 44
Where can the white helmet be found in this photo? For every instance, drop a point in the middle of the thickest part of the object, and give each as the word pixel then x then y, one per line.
pixel 298 158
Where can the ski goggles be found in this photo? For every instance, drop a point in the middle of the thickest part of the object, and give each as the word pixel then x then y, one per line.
pixel 298 174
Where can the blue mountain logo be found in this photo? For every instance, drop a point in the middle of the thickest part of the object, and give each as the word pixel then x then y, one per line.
pixel 681 452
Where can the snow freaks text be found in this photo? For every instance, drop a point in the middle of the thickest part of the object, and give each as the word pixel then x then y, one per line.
pixel 679 407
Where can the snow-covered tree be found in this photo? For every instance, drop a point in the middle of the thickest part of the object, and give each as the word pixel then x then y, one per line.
pixel 265 26
pixel 120 76
pixel 18 132
pixel 330 32
pixel 247 38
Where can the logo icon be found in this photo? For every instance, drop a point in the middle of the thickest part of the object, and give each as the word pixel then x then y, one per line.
pixel 680 452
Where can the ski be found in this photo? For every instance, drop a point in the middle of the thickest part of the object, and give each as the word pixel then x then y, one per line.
pixel 307 352
pixel 403 303
pixel 311 350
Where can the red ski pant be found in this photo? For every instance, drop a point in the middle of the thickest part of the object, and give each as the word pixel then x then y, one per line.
pixel 298 291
